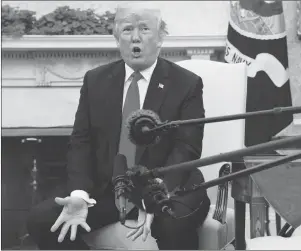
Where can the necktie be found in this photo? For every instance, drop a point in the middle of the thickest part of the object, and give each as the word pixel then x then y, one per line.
pixel 131 104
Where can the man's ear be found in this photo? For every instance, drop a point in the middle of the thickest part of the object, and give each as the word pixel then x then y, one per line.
pixel 160 39
pixel 160 42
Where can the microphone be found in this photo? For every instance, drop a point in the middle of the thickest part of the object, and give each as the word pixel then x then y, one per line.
pixel 119 181
pixel 139 124
pixel 146 128
pixel 153 191
pixel 157 198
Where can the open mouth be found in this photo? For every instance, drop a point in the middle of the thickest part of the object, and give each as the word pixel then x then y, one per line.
pixel 136 51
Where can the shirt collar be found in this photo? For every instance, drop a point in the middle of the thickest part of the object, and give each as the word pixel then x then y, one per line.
pixel 147 73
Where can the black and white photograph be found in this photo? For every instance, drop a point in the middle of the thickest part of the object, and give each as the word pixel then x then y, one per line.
pixel 151 125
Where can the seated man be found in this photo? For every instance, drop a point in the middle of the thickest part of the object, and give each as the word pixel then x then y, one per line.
pixel 141 79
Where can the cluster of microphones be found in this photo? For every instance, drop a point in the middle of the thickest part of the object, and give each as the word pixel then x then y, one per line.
pixel 147 191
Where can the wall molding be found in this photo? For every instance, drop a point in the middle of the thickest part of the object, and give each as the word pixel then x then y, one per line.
pixel 50 58
pixel 49 54
pixel 96 42
pixel 20 54
pixel 200 53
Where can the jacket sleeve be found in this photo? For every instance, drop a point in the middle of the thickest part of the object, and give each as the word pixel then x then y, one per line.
pixel 79 157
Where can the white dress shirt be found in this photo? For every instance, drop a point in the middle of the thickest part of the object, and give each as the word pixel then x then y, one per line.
pixel 143 86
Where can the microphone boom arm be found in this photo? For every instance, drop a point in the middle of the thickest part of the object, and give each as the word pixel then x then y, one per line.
pixel 223 157
pixel 242 173
pixel 174 124
pixel 145 128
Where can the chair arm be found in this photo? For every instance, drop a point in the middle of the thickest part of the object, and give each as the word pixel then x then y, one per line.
pixel 220 211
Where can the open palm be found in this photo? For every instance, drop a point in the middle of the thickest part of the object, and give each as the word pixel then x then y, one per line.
pixel 74 213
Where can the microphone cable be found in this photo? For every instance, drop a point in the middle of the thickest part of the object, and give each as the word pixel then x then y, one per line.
pixel 142 224
pixel 169 199
pixel 185 205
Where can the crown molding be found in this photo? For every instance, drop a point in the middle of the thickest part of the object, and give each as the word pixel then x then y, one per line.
pixel 96 42
pixel 25 54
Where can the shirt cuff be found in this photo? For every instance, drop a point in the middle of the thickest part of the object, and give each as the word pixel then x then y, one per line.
pixel 83 195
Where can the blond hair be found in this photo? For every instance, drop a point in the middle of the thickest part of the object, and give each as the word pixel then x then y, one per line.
pixel 161 26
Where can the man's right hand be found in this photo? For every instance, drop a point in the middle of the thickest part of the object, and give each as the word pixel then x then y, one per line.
pixel 74 213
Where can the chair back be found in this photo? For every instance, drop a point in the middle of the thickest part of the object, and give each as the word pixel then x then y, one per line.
pixel 224 93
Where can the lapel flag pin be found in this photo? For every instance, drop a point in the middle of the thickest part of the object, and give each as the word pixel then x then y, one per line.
pixel 161 86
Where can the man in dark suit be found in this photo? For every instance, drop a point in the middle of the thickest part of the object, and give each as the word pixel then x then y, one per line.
pixel 109 93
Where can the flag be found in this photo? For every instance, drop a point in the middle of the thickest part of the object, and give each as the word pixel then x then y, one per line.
pixel 257 36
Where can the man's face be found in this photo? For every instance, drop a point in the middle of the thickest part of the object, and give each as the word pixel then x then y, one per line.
pixel 138 38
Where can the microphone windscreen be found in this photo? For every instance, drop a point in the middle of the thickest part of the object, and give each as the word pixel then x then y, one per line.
pixel 120 165
pixel 138 123
pixel 148 116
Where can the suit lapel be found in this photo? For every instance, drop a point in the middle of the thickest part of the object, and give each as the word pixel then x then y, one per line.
pixel 113 107
pixel 157 87
pixel 155 95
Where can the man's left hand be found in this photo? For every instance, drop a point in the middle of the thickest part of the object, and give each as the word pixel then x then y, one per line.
pixel 143 230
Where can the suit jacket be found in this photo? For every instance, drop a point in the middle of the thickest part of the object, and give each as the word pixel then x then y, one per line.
pixel 95 137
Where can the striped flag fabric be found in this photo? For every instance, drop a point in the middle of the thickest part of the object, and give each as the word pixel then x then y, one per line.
pixel 257 36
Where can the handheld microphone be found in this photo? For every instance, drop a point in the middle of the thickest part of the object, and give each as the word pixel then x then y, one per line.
pixel 119 181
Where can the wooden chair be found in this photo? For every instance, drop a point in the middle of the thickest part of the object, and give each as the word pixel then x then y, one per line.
pixel 224 94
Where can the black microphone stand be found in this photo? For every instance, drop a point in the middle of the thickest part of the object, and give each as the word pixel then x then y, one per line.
pixel 146 175
pixel 231 156
pixel 151 125
pixel 242 173
pixel 175 124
